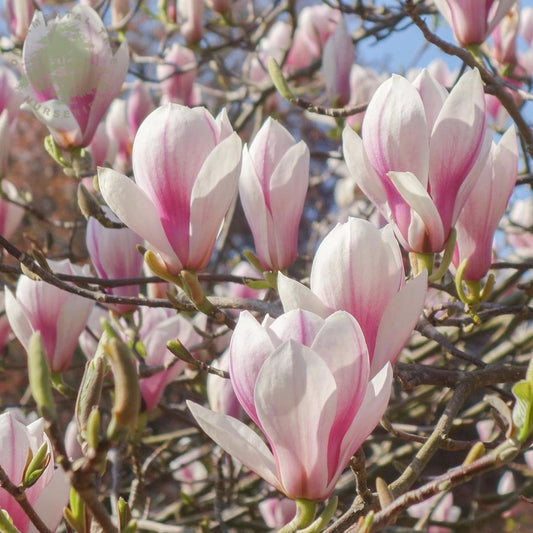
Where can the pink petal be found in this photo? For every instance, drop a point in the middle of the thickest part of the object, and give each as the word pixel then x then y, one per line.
pixel 398 322
pixel 135 209
pixel 295 295
pixel 295 397
pixel 239 441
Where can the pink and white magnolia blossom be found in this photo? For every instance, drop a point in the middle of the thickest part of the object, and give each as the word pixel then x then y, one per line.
pixel 485 207
pixel 472 21
pixel 155 333
pixel 220 393
pixel 19 14
pixel 504 37
pixel 337 61
pixel 277 512
pixel 186 166
pixel 439 508
pixel 178 88
pixel 124 119
pixel 272 187
pixel 10 214
pixel 103 150
pixel 10 100
pixel 359 269
pixel 519 229
pixel 363 84
pixel 73 74
pixel 49 494
pixel 59 316
pixel 114 255
pixel 190 14
pixel 314 27
pixel 420 155
pixel 304 381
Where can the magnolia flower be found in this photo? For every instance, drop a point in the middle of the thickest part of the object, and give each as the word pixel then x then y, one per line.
pixel 19 15
pixel 272 187
pixel 178 87
pixel 124 119
pixel 155 333
pixel 190 14
pixel 49 494
pixel 520 226
pixel 472 21
pixel 10 100
pixel 337 61
pixel 186 167
pixel 73 74
pixel 114 255
pixel 277 512
pixel 420 155
pixel 10 214
pixel 504 37
pixel 359 269
pixel 59 316
pixel 304 381
pixel 440 508
pixel 220 393
pixel 485 207
pixel 103 149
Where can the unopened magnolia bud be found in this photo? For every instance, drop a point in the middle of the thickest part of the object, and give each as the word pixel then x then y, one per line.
pixel 75 513
pixel 125 523
pixel 90 390
pixel 36 466
pixel 477 451
pixel 384 495
pixel 158 268
pixel 278 79
pixel 127 402
pixel 40 378
pixel 177 348
pixel 92 434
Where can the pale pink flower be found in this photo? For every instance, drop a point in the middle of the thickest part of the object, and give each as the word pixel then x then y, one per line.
pixel 124 119
pixel 19 15
pixel 359 269
pixel 220 393
pixel 50 492
pixel 504 37
pixel 154 335
pixel 272 187
pixel 186 166
pixel 73 74
pixel 440 508
pixel 420 154
pixel 337 61
pixel 190 15
pixel 485 207
pixel 304 381
pixel 114 255
pixel 277 512
pixel 103 148
pixel 363 84
pixel 472 21
pixel 520 227
pixel 178 87
pixel 10 214
pixel 59 316
pixel 315 26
